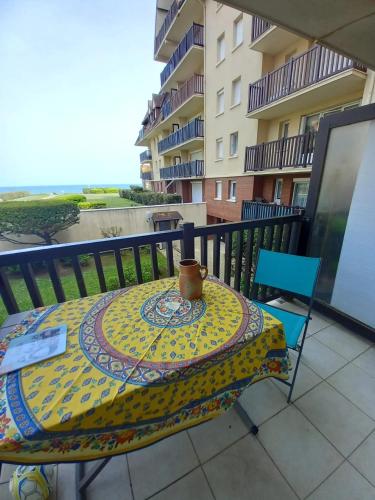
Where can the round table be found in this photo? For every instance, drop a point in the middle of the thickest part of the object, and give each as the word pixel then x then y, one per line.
pixel 141 364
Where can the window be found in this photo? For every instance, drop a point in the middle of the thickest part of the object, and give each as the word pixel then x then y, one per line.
pixel 232 190
pixel 233 144
pixel 300 192
pixel 283 129
pixel 236 91
pixel 311 123
pixel 219 149
pixel 278 191
pixel 220 48
pixel 237 32
pixel 218 190
pixel 220 102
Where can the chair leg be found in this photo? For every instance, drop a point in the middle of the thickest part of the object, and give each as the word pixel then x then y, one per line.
pixel 294 376
pixel 246 419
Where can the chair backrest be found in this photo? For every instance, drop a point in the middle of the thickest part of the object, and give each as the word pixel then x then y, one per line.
pixel 288 272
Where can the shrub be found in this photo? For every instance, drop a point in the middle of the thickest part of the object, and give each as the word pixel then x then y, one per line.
pixel 136 187
pixel 100 190
pixel 149 197
pixel 84 260
pixel 87 205
pixel 76 198
pixel 13 195
pixel 42 218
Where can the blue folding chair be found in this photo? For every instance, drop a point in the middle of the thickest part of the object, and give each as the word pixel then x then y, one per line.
pixel 290 273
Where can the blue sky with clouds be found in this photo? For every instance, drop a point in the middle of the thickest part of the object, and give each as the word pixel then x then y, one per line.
pixel 75 79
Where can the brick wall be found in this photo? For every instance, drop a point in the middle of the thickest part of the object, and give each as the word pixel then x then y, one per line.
pixel 265 185
pixel 223 209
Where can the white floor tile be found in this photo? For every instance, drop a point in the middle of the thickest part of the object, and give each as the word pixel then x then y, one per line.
pixel 112 482
pixel 364 458
pixel 357 385
pixel 262 401
pixel 212 437
pixel 155 467
pixel 366 361
pixel 245 471
pixel 320 358
pixel 4 492
pixel 6 472
pixel 339 420
pixel 193 486
pixel 65 481
pixel 343 341
pixel 344 484
pixel 302 454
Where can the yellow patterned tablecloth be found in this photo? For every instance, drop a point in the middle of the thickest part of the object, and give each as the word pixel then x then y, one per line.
pixel 141 364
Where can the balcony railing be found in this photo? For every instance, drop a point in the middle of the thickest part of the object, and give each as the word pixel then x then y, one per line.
pixel 195 85
pixel 258 27
pixel 192 130
pixel 195 36
pixel 295 151
pixel 254 210
pixel 311 67
pixel 146 176
pixel 168 20
pixel 145 156
pixel 279 233
pixel 194 168
pixel 155 118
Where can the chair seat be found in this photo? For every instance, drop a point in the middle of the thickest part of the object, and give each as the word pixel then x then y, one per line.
pixel 293 323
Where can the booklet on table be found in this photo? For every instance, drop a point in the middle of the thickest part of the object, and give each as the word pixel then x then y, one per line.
pixel 34 347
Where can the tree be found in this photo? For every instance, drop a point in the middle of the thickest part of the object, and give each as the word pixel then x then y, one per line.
pixel 39 218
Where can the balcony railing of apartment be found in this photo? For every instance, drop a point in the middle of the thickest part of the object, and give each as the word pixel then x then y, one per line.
pixel 194 36
pixel 155 118
pixel 279 233
pixel 146 176
pixel 253 210
pixel 194 168
pixel 195 85
pixel 295 151
pixel 192 130
pixel 311 67
pixel 168 20
pixel 258 27
pixel 145 156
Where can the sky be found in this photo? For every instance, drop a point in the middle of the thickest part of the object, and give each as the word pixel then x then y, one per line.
pixel 75 76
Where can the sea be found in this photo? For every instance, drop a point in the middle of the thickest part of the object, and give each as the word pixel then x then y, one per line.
pixel 58 189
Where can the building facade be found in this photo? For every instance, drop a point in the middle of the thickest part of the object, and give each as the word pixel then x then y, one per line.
pixel 235 120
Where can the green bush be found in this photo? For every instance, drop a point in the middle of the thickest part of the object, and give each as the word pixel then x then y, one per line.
pixel 84 260
pixel 76 198
pixel 42 218
pixel 130 276
pixel 87 205
pixel 136 187
pixel 100 190
pixel 13 195
pixel 149 197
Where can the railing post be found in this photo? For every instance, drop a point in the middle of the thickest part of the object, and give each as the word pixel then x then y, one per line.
pixel 187 244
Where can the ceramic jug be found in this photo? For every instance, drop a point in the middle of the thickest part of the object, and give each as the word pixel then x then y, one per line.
pixel 191 279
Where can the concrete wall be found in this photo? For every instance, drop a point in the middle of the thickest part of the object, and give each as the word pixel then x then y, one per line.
pixel 132 220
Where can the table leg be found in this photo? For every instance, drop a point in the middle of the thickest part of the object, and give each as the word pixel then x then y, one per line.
pixel 84 480
pixel 245 418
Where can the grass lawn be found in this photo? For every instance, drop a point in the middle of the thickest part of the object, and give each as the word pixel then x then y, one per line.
pixel 90 277
pixel 112 200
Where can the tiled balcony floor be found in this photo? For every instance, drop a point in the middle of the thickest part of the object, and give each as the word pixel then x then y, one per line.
pixel 322 446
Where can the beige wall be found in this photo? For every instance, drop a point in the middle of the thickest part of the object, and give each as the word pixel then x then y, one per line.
pixel 132 220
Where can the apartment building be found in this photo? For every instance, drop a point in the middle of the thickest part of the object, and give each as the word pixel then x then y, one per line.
pixel 235 119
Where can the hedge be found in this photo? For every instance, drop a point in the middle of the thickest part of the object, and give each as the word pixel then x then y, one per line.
pixel 13 195
pixel 149 197
pixel 76 198
pixel 87 205
pixel 99 190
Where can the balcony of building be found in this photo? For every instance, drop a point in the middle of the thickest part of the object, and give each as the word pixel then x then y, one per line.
pixel 175 23
pixel 253 210
pixel 151 120
pixel 186 60
pixel 310 79
pixel 268 38
pixel 285 153
pixel 145 156
pixel 186 170
pixel 187 138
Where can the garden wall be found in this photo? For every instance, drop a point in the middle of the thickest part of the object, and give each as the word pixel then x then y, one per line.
pixel 132 220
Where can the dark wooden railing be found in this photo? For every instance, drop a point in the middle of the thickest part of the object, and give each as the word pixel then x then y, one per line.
pixel 192 130
pixel 253 210
pixel 311 67
pixel 193 86
pixel 258 27
pixel 194 168
pixel 146 176
pixel 295 151
pixel 145 156
pixel 235 267
pixel 194 36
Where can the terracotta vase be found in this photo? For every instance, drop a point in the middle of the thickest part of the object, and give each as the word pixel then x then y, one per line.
pixel 191 279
